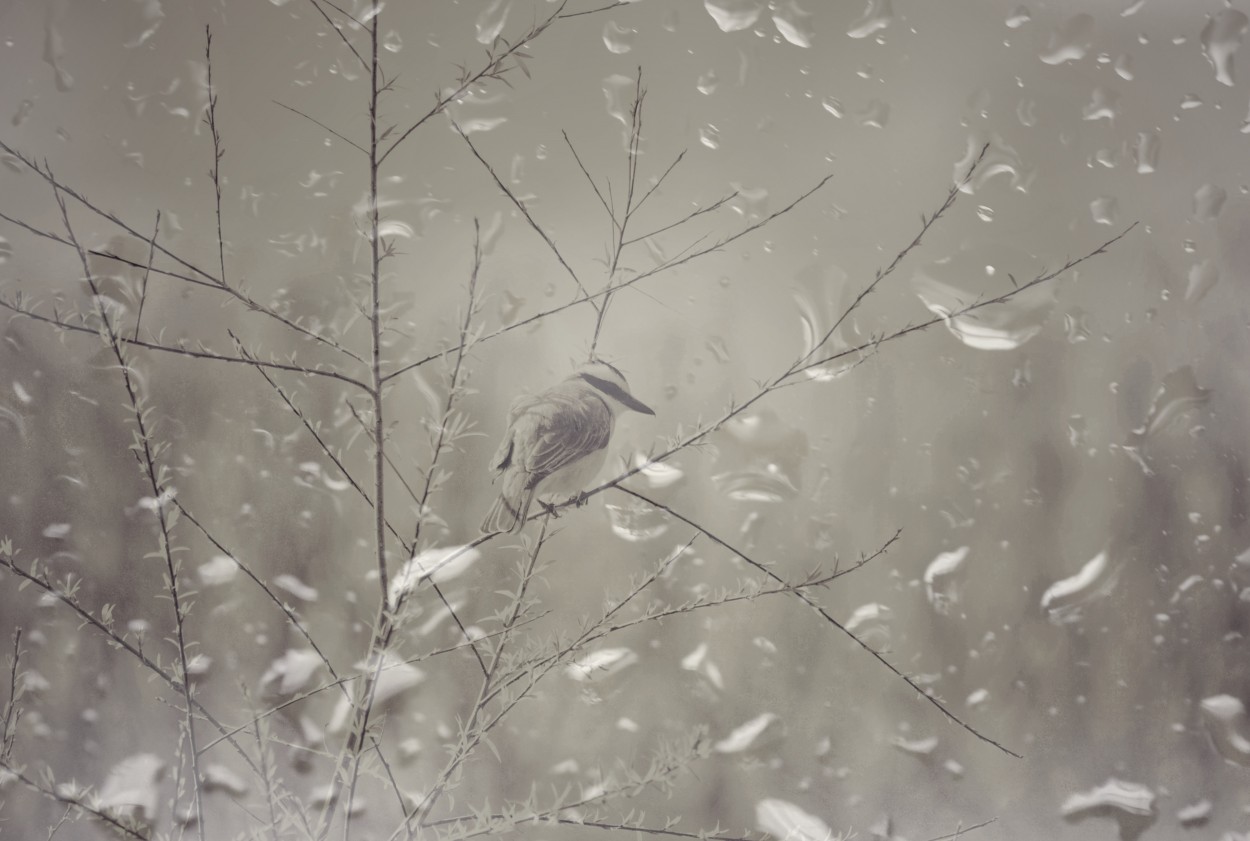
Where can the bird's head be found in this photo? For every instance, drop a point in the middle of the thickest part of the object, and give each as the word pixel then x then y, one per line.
pixel 611 385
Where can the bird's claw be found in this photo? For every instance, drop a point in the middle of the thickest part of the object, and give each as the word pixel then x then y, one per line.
pixel 580 500
pixel 551 510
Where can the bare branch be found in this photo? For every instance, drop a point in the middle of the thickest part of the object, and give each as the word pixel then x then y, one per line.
pixel 110 820
pixel 345 139
pixel 147 273
pixel 338 31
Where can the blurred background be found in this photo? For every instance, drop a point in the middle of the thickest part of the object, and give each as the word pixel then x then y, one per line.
pixel 1068 470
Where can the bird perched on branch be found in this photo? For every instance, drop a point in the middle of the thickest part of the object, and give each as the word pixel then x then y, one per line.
pixel 556 441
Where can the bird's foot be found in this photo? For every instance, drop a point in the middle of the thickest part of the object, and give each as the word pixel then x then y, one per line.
pixel 580 499
pixel 551 510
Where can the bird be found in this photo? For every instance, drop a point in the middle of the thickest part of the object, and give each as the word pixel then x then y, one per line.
pixel 556 441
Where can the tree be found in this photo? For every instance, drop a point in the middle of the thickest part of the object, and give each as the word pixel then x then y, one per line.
pixel 346 391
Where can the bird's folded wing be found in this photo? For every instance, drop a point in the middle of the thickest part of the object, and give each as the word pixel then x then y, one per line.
pixel 562 430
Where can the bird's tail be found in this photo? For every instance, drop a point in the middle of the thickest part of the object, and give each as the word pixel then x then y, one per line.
pixel 512 507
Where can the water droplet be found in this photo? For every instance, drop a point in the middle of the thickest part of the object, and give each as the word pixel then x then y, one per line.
pixel 943 579
pixel 1105 210
pixel 950 285
pixel 1124 67
pixel 749 203
pixel 1146 152
pixel 220 570
pixel 1221 38
pixel 132 788
pixel 392 43
pixel 491 21
pixel 833 106
pixel 871 623
pixel 1132 8
pixel 1202 278
pixel 716 346
pixel 747 735
pixel 53 53
pixel 1026 113
pixel 1103 104
pixel 635 521
pixel 23 111
pixel 985 213
pixel 6 251
pixel 1070 41
pixel 1208 202
pixel 1064 600
pixel 875 115
pixel 1177 394
pixel 783 820
pixel 707 83
pixel 734 15
pixel 1191 101
pixel 1078 431
pixel 1225 718
pixel 618 39
pixel 600 665
pixel 875 18
pixel 916 747
pixel 1195 814
pixel 709 136
pixel 792 22
pixel 1130 804
pixel 761 458
pixel 1076 325
pixel 1019 17
pixel 619 91
pixel 1000 159
pixel 540 153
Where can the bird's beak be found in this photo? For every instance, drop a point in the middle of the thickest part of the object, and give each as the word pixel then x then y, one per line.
pixel 636 404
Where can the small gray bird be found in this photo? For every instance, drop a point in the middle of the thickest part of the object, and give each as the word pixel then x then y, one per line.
pixel 557 441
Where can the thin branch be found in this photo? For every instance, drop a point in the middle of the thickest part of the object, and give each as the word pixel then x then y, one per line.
pixel 147 272
pixel 520 205
pixel 12 712
pixel 716 205
pixel 973 307
pixel 110 820
pixel 346 679
pixel 340 32
pixel 493 68
pixel 218 152
pixel 17 308
pixel 346 140
pixel 290 614
pixel 146 456
pixel 589 178
pixel 814 605
pixel 214 282
pixel 671 264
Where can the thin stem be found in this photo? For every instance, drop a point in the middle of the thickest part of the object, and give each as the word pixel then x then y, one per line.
pixel 218 151
pixel 55 796
pixel 667 266
pixel 341 34
pixel 147 458
pixel 147 272
pixel 344 138
pixel 203 353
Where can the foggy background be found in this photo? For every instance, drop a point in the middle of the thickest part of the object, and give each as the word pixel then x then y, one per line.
pixel 1097 424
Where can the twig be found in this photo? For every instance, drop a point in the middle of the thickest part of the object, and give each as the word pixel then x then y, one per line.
pixel 493 69
pixel 973 307
pixel 345 139
pixel 12 712
pixel 119 642
pixel 147 272
pixel 810 602
pixel 520 205
pixel 213 281
pixel 697 212
pixel 341 34
pixel 17 308
pixel 671 264
pixel 146 455
pixel 589 178
pixel 117 824
pixel 218 152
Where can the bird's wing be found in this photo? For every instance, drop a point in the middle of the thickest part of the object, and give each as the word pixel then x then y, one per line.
pixel 502 459
pixel 562 429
